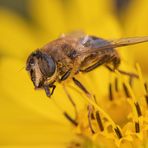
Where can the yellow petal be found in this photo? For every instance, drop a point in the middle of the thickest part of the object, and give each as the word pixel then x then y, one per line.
pixel 59 17
pixel 37 133
pixel 97 19
pixel 22 127
pixel 17 85
pixel 49 14
pixel 94 17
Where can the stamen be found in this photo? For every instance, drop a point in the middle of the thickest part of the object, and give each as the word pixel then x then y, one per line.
pixel 126 91
pixel 137 127
pixel 128 74
pixel 138 109
pixel 92 116
pixel 127 88
pixel 95 99
pixel 70 119
pixel 90 101
pixel 146 98
pixel 74 144
pixel 99 121
pixel 89 118
pixel 146 87
pixel 116 85
pixel 131 81
pixel 110 92
pixel 101 111
pixel 141 78
pixel 118 132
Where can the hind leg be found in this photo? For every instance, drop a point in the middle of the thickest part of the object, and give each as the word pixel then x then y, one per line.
pixel 116 62
pixel 99 62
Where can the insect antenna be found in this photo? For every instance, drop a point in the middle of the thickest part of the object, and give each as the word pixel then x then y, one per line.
pixel 21 69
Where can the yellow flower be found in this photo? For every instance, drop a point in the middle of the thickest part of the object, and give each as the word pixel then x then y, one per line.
pixel 30 119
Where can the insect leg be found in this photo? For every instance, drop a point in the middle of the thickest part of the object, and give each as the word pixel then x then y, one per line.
pixel 79 84
pixel 53 88
pixel 66 75
pixel 97 64
pixel 116 62
pixel 47 90
pixel 122 72
pixel 71 101
pixel 92 67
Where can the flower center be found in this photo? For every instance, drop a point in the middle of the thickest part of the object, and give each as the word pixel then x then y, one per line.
pixel 119 118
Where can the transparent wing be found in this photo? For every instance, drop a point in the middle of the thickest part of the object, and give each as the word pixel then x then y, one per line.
pixel 107 44
pixel 75 34
pixel 128 41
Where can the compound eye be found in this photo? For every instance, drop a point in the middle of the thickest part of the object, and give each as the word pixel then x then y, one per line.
pixel 47 65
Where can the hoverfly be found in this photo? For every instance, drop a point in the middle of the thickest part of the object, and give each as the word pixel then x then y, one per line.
pixel 71 54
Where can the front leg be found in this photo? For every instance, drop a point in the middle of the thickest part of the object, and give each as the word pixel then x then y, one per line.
pixel 66 75
pixel 47 90
pixel 81 86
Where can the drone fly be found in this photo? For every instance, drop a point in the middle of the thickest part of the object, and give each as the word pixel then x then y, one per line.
pixel 71 54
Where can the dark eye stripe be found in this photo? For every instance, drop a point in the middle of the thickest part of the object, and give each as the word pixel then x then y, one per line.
pixel 32 74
